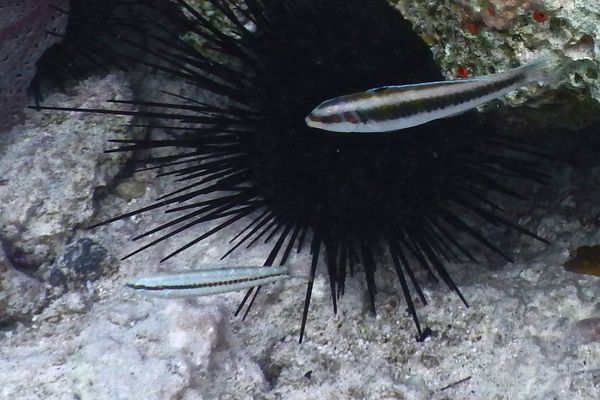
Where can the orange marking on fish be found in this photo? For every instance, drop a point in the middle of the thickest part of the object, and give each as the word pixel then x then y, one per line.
pixel 351 117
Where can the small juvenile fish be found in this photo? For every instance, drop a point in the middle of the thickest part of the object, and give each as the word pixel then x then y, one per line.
pixel 208 281
pixel 585 260
pixel 390 108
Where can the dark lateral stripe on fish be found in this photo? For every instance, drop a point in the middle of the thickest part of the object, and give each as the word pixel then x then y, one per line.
pixel 201 285
pixel 408 108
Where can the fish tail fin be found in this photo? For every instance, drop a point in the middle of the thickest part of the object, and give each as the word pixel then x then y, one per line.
pixel 299 271
pixel 544 69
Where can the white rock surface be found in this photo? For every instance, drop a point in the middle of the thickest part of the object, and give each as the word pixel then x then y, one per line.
pixel 52 165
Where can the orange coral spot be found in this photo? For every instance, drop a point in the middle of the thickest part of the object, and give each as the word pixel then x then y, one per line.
pixel 473 27
pixel 462 71
pixel 351 117
pixel 336 118
pixel 539 16
pixel 491 10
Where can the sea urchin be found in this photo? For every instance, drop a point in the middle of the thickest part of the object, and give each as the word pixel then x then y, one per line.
pixel 250 160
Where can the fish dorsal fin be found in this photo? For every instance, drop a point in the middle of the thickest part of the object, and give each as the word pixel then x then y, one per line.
pixel 422 84
pixel 380 89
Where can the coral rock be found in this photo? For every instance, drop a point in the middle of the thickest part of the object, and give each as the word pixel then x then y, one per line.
pixel 51 171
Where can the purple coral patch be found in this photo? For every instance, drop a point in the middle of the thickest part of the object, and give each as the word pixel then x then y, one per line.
pixel 588 330
pixel 24 27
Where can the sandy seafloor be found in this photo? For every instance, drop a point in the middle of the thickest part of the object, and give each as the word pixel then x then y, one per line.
pixel 519 339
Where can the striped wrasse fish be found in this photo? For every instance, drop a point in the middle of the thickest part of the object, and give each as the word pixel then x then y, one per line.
pixel 390 108
pixel 208 281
